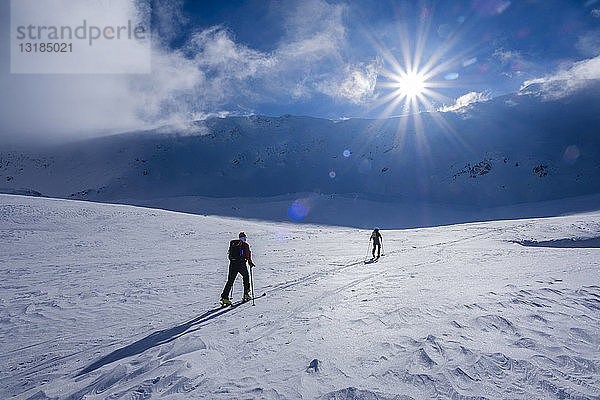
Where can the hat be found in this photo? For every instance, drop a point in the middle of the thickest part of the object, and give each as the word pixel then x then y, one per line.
pixel 242 234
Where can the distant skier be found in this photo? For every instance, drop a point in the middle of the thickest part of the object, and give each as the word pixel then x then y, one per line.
pixel 377 239
pixel 239 253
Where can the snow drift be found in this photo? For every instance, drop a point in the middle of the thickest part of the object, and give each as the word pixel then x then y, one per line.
pixel 117 302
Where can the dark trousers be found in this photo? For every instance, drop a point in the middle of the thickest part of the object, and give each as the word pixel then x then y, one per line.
pixel 376 245
pixel 236 267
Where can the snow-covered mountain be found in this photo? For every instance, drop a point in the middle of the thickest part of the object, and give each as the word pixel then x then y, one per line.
pixel 511 150
pixel 103 301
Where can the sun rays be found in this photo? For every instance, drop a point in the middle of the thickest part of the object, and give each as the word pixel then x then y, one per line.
pixel 414 87
pixel 416 72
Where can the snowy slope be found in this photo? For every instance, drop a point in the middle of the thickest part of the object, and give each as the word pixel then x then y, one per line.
pixel 105 301
pixel 511 150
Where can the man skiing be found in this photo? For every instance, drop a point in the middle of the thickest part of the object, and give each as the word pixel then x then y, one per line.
pixel 377 239
pixel 239 253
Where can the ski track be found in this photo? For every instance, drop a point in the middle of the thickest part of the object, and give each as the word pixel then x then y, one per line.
pixel 402 328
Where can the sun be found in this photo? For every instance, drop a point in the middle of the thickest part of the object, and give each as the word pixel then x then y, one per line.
pixel 409 87
pixel 413 72
pixel 411 84
pixel 417 71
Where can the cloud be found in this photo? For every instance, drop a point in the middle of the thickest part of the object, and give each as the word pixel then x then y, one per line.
pixel 315 19
pixel 566 81
pixel 356 85
pixel 210 73
pixel 511 61
pixel 213 71
pixel 169 20
pixel 507 56
pixel 216 52
pixel 589 43
pixel 595 13
pixel 466 100
pixel 35 106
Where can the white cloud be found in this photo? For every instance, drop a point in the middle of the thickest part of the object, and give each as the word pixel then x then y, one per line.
pixel 216 52
pixel 230 72
pixel 213 72
pixel 589 43
pixel 311 18
pixel 356 85
pixel 595 13
pixel 565 81
pixel 466 100
pixel 507 56
pixel 512 61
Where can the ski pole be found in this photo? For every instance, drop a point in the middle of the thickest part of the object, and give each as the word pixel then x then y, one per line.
pixel 368 249
pixel 382 250
pixel 252 285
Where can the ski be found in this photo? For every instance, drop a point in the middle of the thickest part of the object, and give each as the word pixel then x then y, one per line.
pixel 240 302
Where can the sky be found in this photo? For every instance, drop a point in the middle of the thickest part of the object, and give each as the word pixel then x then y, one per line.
pixel 330 59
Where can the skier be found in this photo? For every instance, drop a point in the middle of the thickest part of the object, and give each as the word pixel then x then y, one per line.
pixel 239 253
pixel 377 239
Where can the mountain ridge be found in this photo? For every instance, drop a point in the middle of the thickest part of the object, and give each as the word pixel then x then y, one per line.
pixel 510 150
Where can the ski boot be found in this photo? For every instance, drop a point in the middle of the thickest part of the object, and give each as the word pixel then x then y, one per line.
pixel 246 297
pixel 225 302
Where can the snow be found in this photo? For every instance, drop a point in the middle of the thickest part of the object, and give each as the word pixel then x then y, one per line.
pixel 489 156
pixel 102 301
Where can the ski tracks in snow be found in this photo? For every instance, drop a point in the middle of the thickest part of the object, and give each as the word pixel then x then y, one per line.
pixel 449 312
pixel 335 281
pixel 265 329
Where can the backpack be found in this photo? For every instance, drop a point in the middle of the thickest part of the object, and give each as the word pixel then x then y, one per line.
pixel 236 250
pixel 375 237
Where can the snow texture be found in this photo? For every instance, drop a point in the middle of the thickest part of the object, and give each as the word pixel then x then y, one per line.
pixel 102 301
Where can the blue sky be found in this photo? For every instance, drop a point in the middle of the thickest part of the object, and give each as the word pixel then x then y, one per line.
pixel 322 58
pixel 491 46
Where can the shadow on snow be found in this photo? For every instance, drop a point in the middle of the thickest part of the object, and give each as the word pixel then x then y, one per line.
pixel 563 243
pixel 155 339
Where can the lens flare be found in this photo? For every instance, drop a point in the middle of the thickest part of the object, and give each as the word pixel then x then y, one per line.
pixel 571 154
pixel 297 211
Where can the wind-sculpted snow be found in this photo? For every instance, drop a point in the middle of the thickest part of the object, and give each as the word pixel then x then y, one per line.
pixel 352 393
pixel 564 243
pixel 116 302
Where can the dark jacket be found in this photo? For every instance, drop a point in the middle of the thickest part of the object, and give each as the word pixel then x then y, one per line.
pixel 376 237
